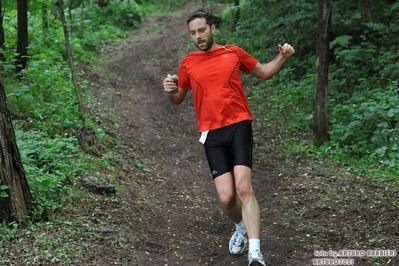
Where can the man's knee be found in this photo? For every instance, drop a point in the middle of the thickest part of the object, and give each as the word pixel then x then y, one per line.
pixel 228 201
pixel 243 181
pixel 244 190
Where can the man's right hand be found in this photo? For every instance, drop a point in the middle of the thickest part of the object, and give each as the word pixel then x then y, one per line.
pixel 169 85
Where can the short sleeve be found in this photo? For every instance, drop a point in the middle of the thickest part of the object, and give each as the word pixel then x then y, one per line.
pixel 248 62
pixel 184 81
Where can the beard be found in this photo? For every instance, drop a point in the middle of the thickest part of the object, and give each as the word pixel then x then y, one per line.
pixel 208 45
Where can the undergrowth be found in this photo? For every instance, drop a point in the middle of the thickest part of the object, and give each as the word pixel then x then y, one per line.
pixel 42 98
pixel 363 88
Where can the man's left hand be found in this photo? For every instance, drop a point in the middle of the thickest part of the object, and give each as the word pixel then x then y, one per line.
pixel 286 50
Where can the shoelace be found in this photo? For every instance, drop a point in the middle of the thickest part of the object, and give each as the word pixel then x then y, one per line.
pixel 257 253
pixel 237 239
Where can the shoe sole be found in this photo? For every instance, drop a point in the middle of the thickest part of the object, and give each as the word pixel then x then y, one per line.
pixel 239 253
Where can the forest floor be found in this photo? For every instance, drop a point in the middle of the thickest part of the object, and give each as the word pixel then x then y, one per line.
pixel 165 210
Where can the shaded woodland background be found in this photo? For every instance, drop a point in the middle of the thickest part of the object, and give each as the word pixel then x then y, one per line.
pixel 48 101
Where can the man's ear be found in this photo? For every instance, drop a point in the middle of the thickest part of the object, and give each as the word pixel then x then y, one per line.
pixel 213 29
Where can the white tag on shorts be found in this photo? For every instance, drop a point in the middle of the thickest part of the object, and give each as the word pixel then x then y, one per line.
pixel 204 134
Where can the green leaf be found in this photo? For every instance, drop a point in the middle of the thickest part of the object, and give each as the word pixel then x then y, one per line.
pixel 357 15
pixel 392 112
pixel 355 123
pixel 395 7
pixel 45 183
pixel 343 41
pixel 375 26
pixel 3 194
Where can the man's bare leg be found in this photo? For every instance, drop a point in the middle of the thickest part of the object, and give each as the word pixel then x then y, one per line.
pixel 250 207
pixel 250 212
pixel 226 190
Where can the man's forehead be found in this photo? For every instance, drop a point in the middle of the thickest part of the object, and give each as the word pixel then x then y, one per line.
pixel 197 23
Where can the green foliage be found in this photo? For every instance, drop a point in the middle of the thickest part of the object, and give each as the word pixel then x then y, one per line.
pixel 141 166
pixel 51 166
pixel 43 103
pixel 120 14
pixel 3 192
pixel 91 25
pixel 44 100
pixel 368 125
pixel 7 231
pixel 363 88
pixel 283 97
pixel 265 24
pixel 49 249
pixel 160 6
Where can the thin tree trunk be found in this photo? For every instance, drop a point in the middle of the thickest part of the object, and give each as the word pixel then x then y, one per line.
pixel 22 38
pixel 236 15
pixel 320 116
pixel 68 47
pixel 18 204
pixel 367 10
pixel 83 18
pixel 44 17
pixel 2 36
pixel 70 16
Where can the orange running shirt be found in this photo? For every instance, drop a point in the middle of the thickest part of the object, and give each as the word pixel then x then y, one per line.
pixel 214 78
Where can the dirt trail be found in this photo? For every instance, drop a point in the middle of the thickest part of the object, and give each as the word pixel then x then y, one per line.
pixel 166 211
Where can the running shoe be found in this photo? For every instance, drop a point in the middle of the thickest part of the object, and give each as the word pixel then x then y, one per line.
pixel 255 258
pixel 237 243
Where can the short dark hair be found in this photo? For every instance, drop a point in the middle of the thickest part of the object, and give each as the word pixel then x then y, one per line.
pixel 209 17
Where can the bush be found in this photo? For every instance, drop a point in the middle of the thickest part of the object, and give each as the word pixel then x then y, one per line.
pixel 369 125
pixel 363 88
pixel 51 166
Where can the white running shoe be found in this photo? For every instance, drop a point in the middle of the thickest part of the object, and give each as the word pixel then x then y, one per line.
pixel 255 258
pixel 237 243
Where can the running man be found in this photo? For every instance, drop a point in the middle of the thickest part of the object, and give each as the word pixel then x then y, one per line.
pixel 224 120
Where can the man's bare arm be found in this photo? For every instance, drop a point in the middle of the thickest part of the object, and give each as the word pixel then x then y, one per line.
pixel 270 69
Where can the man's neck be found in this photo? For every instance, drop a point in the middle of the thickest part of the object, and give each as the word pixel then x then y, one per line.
pixel 213 47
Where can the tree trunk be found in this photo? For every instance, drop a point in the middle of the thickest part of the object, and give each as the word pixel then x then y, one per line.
pixel 18 203
pixel 236 14
pixel 44 17
pixel 367 10
pixel 2 36
pixel 68 47
pixel 320 116
pixel 70 16
pixel 83 18
pixel 22 38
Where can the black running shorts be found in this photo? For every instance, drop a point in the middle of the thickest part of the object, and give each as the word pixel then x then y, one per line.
pixel 229 146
